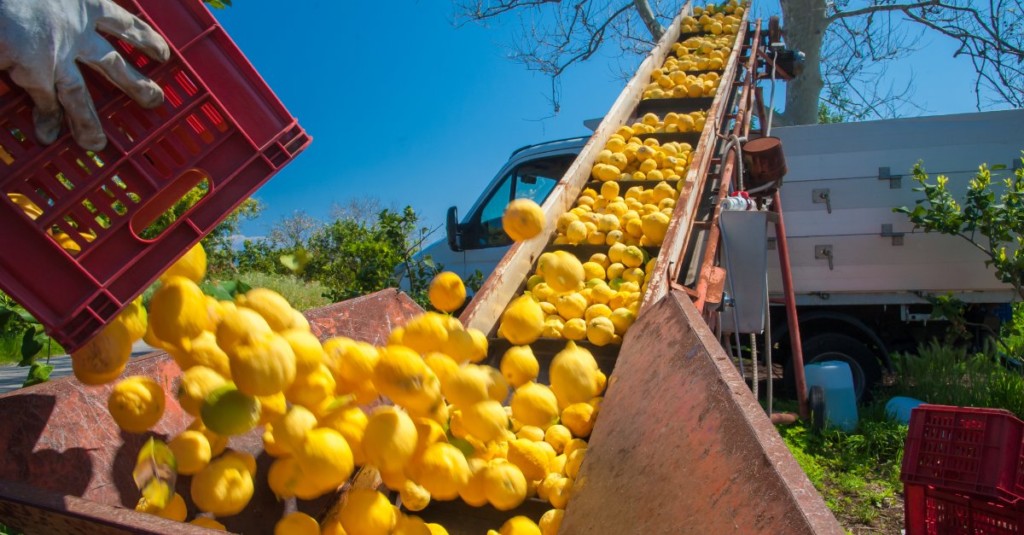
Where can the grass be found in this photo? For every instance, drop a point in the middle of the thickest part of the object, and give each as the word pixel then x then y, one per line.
pixel 303 295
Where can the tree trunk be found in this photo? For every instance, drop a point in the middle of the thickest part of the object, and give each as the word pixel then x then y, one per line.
pixel 644 9
pixel 804 25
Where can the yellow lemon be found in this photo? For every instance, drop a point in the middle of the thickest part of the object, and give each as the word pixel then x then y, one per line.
pixel 465 345
pixel 504 485
pixel 271 305
pixel 264 366
pixel 600 330
pixel 178 312
pixel 486 420
pixel 522 322
pixel 519 525
pixel 367 512
pixel 238 326
pixel 442 365
pixel 575 329
pixel 467 385
pixel 563 272
pixel 350 421
pixel 325 459
pixel 535 404
pixel 572 375
pixel 224 487
pixel 389 439
pixel 447 292
pixel 426 332
pixel 104 356
pixel 622 318
pixel 523 219
pixel 571 305
pixel 473 491
pixel 313 389
pixel 208 523
pixel 414 497
pixel 593 270
pixel 550 522
pixel 191 451
pixel 309 353
pixel 519 365
pixel 498 388
pixel 290 431
pixel 174 510
pixel 297 523
pixel 442 470
pixel 217 442
pixel 579 418
pixel 654 227
pixel 195 384
pixel 192 265
pixel 575 460
pixel 136 403
pixel 560 492
pixel 133 316
pixel 558 436
pixel 410 525
pixel 402 376
pixel 530 432
pixel 204 351
pixel 531 459
pixel 350 360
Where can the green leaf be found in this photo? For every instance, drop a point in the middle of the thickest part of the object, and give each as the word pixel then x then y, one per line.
pixel 462 444
pixel 29 346
pixel 216 290
pixel 38 373
pixel 156 472
pixel 297 261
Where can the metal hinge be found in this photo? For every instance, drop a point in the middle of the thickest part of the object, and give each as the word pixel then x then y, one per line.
pixel 897 237
pixel 895 181
pixel 824 252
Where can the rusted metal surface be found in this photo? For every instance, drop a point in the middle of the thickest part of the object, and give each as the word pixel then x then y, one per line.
pixel 681 445
pixel 59 439
pixel 796 349
pixel 764 160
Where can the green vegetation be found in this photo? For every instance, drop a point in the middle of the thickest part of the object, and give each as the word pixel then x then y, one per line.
pixel 303 295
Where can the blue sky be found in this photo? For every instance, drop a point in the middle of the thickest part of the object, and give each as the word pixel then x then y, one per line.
pixel 407 108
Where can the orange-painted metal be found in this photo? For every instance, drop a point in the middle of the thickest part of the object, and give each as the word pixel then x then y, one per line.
pixel 59 441
pixel 682 446
pixel 796 349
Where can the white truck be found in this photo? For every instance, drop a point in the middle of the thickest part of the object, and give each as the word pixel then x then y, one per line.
pixel 862 276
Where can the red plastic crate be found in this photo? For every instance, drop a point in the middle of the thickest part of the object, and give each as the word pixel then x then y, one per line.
pixel 219 123
pixel 971 450
pixel 930 511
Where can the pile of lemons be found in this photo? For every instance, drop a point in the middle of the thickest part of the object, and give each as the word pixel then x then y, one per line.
pixel 629 156
pixel 640 217
pixel 458 429
pixel 715 19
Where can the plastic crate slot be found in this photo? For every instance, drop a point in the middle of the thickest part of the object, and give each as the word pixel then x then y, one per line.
pixel 170 205
pixel 171 97
pixel 132 55
pixel 185 83
pixel 215 117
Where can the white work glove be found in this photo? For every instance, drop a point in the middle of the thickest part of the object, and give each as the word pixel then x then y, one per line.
pixel 39 43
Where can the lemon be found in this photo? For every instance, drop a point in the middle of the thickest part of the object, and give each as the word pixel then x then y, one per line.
pixel 574 461
pixel 133 317
pixel 558 436
pixel 575 329
pixel 560 492
pixel 442 470
pixel 367 512
pixel 297 523
pixel 622 318
pixel 410 525
pixel 530 432
pixel 217 442
pixel 523 219
pixel 313 389
pixel 224 487
pixel 264 366
pixel 208 523
pixel 271 305
pixel 579 418
pixel 535 404
pixel 325 459
pixel 174 510
pixel 553 326
pixel 486 420
pixel 442 365
pixel 350 421
pixel 467 385
pixel 522 322
pixel 228 411
pixel 191 451
pixel 426 332
pixel 286 480
pixel 519 525
pixel 504 485
pixel 563 272
pixel 192 265
pixel 390 438
pixel 309 354
pixel 462 346
pixel 557 466
pixel 402 375
pixel 572 375
pixel 550 521
pixel 473 491
pixel 571 305
pixel 532 459
pixel 290 431
pixel 519 365
pixel 447 292
pixel 104 356
pixel 203 351
pixel 195 384
pixel 178 312
pixel 238 326
pixel 136 403
pixel 596 310
pixel 601 330
pixel 350 360
pixel 414 497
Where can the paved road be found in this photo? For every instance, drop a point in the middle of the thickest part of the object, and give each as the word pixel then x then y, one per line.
pixel 12 377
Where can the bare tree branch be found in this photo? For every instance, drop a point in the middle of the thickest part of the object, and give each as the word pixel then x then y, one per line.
pixel 644 9
pixel 877 9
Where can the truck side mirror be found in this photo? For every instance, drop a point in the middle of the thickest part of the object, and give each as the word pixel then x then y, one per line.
pixel 452 228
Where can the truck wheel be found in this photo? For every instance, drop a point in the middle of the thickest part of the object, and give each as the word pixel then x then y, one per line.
pixel 864 365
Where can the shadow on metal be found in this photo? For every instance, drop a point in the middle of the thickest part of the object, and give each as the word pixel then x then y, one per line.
pixel 682 446
pixel 66 466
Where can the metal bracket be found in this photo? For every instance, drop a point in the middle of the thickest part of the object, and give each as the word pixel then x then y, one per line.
pixel 897 237
pixel 824 252
pixel 823 195
pixel 895 181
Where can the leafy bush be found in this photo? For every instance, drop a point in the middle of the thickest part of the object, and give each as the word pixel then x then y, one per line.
pixel 302 294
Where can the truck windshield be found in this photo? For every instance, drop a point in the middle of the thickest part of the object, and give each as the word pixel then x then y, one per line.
pixel 532 180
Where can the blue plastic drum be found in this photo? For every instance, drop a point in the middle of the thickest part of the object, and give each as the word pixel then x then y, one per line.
pixel 836 379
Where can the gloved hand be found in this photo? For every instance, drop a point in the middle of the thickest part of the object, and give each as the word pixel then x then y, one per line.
pixel 39 43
